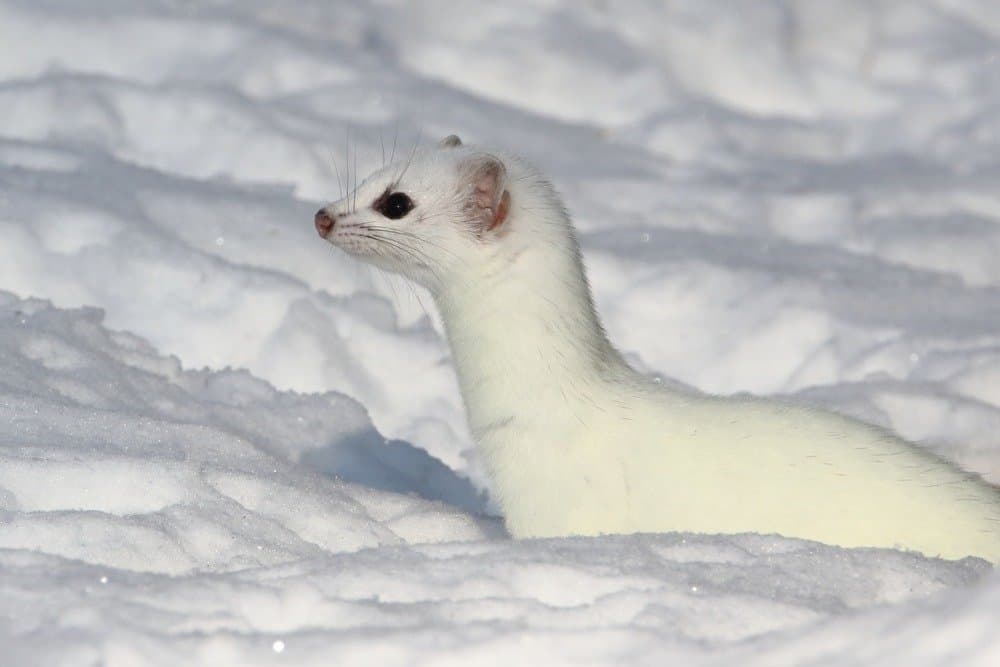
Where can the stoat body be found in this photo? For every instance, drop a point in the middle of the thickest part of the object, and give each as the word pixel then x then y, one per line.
pixel 576 441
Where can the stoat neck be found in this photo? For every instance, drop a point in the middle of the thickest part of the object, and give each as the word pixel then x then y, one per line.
pixel 524 335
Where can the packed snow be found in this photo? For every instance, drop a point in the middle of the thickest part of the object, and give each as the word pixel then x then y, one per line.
pixel 224 443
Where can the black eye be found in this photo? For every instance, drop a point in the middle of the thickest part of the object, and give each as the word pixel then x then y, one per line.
pixel 395 206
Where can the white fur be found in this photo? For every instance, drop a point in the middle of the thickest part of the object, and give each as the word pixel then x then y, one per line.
pixel 580 444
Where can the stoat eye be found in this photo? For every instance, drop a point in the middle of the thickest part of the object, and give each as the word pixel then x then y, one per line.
pixel 395 206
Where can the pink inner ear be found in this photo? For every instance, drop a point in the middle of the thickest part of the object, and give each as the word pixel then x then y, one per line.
pixel 488 201
pixel 486 184
pixel 501 213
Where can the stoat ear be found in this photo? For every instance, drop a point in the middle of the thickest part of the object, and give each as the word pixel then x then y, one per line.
pixel 485 178
pixel 451 141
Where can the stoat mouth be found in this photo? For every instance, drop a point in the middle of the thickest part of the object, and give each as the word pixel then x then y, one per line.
pixel 350 244
pixel 375 248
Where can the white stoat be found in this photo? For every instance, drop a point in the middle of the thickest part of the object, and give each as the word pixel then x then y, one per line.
pixel 577 442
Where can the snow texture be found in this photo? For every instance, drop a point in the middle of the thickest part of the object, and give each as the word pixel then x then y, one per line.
pixel 790 198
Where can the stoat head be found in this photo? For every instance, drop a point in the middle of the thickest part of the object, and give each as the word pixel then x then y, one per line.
pixel 427 217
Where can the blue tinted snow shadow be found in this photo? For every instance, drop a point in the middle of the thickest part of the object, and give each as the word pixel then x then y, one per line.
pixel 368 459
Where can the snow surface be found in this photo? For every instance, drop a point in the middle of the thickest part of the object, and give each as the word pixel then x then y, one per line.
pixel 791 198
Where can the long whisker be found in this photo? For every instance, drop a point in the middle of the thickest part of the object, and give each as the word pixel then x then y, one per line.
pixel 354 206
pixel 410 251
pixel 340 183
pixel 387 280
pixel 413 152
pixel 395 136
pixel 416 296
pixel 411 235
pixel 347 158
pixel 414 253
pixel 407 234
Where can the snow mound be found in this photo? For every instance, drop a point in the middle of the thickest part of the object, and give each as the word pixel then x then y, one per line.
pixel 788 198
pixel 114 455
pixel 165 516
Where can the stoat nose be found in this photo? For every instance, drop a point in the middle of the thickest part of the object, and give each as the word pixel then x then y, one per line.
pixel 324 223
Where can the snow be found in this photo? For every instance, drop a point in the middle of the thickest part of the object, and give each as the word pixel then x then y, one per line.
pixel 222 442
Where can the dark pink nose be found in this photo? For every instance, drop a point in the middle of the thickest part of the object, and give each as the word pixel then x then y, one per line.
pixel 324 223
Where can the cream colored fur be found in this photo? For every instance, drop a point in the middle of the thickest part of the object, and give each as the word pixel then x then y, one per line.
pixel 578 443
